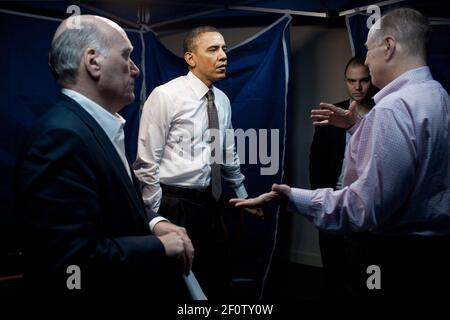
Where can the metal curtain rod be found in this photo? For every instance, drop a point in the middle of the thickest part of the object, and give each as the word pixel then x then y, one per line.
pixel 243 8
pixel 282 11
pixel 105 14
pixel 360 9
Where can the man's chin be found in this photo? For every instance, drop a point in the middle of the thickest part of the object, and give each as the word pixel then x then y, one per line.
pixel 130 98
pixel 221 76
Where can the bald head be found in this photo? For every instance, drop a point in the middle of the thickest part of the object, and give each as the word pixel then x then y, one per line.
pixel 75 22
pixel 72 37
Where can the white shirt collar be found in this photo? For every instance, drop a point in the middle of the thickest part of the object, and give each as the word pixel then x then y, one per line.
pixel 414 75
pixel 200 89
pixel 112 124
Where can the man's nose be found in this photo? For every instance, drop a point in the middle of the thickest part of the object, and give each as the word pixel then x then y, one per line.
pixel 358 85
pixel 134 69
pixel 222 55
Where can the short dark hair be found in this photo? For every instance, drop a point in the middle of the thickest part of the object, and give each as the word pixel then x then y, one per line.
pixel 190 41
pixel 357 61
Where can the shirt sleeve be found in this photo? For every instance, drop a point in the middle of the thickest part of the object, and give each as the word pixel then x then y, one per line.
pixel 230 169
pixel 154 221
pixel 153 130
pixel 378 178
pixel 353 128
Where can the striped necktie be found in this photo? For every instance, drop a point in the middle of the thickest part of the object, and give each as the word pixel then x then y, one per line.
pixel 213 120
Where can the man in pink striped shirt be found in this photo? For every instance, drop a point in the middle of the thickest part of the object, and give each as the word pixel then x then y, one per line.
pixel 397 177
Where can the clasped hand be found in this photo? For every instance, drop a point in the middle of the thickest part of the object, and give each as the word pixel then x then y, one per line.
pixel 176 242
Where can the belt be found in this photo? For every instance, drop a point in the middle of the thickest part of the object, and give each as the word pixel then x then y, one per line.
pixel 185 192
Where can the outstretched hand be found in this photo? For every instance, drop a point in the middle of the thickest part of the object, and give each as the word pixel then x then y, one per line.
pixel 329 114
pixel 279 193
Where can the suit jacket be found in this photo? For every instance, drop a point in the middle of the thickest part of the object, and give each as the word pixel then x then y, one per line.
pixel 327 154
pixel 79 207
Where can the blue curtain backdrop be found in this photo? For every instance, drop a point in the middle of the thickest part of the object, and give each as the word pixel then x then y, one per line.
pixel 438 53
pixel 257 78
pixel 26 91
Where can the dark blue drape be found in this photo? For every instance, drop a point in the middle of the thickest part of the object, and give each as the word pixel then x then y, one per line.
pixel 439 54
pixel 27 90
pixel 358 31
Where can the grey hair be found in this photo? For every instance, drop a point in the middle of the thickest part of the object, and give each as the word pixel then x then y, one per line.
pixel 190 41
pixel 67 49
pixel 409 27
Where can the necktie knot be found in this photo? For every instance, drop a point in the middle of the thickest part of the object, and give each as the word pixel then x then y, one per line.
pixel 210 96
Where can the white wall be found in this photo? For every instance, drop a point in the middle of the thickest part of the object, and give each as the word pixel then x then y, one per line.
pixel 319 55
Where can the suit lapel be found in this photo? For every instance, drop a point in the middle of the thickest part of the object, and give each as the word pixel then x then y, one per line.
pixel 110 152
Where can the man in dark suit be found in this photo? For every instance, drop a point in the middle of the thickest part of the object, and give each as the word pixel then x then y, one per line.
pixel 85 226
pixel 325 168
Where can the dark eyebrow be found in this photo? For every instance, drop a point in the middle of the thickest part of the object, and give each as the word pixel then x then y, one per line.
pixel 216 46
pixel 362 79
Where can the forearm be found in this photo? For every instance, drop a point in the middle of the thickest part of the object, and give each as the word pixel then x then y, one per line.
pixel 146 168
pixel 232 174
pixel 148 176
pixel 335 211
pixel 231 169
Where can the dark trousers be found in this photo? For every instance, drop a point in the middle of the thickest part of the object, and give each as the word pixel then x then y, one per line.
pixel 333 252
pixel 198 213
pixel 410 266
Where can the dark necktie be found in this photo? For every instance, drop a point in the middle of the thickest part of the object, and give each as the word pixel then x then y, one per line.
pixel 213 120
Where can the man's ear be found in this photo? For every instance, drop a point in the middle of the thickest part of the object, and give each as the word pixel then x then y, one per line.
pixel 91 60
pixel 390 45
pixel 189 57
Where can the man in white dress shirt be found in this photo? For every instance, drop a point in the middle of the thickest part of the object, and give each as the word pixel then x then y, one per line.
pixel 175 151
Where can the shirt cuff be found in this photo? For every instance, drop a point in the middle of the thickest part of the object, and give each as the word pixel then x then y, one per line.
pixel 353 128
pixel 241 192
pixel 154 221
pixel 300 201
